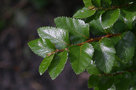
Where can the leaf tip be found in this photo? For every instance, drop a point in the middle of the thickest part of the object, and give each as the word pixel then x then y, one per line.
pixel 40 73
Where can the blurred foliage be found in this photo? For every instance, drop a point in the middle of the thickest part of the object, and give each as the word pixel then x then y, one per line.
pixel 38 4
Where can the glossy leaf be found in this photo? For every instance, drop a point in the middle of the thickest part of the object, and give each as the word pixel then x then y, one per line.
pixel 109 18
pixel 87 3
pixel 84 13
pixel 80 57
pixel 45 64
pixel 57 65
pixel 78 29
pixel 57 36
pixel 41 48
pixel 104 55
pixel 126 47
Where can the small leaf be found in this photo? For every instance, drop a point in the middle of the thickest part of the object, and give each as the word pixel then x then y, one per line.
pixel 41 48
pixel 80 57
pixel 109 18
pixel 104 55
pixel 58 64
pixel 87 3
pixel 84 13
pixel 78 29
pixel 45 64
pixel 92 69
pixel 125 47
pixel 57 36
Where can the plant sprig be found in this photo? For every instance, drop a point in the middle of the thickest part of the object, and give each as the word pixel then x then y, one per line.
pixel 109 56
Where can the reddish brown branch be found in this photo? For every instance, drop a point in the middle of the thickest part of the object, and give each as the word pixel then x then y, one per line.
pixel 88 41
pixel 98 38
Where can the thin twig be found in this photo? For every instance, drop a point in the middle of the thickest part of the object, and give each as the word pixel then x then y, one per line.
pixel 88 41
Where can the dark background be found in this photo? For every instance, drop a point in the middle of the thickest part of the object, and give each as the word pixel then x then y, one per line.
pixel 19 20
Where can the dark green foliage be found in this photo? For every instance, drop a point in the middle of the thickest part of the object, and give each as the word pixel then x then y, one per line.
pixel 104 55
pixel 80 57
pixel 58 64
pixel 109 57
pixel 45 64
pixel 125 47
pixel 109 17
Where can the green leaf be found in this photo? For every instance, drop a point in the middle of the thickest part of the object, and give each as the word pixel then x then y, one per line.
pixel 80 57
pixel 92 69
pixel 95 25
pixel 119 27
pixel 101 82
pixel 126 47
pixel 87 3
pixel 41 48
pixel 105 82
pixel 109 18
pixel 122 82
pixel 97 3
pixel 104 55
pixel 93 81
pixel 45 64
pixel 57 65
pixel 57 36
pixel 78 29
pixel 129 15
pixel 84 13
pixel 115 40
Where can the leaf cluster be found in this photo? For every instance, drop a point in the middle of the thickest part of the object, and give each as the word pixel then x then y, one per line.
pixel 99 39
